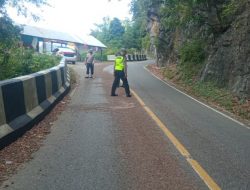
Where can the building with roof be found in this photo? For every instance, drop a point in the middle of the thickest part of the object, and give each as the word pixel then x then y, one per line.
pixel 45 40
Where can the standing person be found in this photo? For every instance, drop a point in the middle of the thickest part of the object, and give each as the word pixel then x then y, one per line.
pixel 89 62
pixel 120 72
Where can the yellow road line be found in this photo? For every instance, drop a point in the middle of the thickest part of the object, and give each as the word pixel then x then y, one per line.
pixel 184 152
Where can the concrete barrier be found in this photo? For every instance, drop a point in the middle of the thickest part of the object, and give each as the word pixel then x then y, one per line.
pixel 130 57
pixel 24 100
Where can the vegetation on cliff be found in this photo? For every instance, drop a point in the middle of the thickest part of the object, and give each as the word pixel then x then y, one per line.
pixel 207 39
pixel 202 45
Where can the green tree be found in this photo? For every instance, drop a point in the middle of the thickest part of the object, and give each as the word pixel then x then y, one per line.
pixel 9 31
pixel 116 29
pixel 102 30
pixel 110 32
pixel 20 6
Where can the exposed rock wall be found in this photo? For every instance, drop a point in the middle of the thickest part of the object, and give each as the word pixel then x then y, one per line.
pixel 228 62
pixel 164 43
pixel 153 28
pixel 228 56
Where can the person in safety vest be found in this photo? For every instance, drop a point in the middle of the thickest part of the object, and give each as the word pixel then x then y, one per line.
pixel 120 73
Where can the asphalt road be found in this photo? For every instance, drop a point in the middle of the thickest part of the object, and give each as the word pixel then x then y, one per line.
pixel 104 142
pixel 220 145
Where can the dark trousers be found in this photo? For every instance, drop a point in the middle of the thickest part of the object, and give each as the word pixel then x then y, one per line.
pixel 120 75
pixel 90 66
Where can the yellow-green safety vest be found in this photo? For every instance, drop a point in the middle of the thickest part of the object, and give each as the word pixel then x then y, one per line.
pixel 119 63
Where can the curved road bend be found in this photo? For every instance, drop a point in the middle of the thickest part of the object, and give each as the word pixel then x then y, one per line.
pixel 104 143
pixel 220 145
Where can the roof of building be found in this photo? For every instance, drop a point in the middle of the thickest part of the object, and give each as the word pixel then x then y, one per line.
pixel 56 35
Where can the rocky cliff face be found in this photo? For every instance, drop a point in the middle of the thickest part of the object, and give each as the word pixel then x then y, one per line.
pixel 228 62
pixel 228 55
pixel 162 38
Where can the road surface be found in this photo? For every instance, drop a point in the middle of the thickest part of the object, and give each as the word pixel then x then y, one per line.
pixel 219 144
pixel 104 142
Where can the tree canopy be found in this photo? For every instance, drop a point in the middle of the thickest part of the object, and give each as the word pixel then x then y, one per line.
pixel 19 5
pixel 118 34
pixel 8 31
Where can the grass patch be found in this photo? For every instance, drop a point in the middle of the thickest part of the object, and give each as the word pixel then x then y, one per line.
pixel 212 93
pixel 208 92
pixel 192 56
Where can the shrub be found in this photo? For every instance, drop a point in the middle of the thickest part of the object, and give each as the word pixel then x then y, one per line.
pixel 101 56
pixel 18 61
pixel 192 56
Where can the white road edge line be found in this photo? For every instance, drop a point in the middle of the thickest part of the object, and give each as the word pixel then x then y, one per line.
pixel 228 117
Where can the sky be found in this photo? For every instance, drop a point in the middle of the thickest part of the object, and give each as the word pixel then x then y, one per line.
pixel 75 16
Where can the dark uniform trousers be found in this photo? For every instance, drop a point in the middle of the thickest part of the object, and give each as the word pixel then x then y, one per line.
pixel 120 75
pixel 90 66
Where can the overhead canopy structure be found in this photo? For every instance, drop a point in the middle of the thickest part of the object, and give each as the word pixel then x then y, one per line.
pixel 61 36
